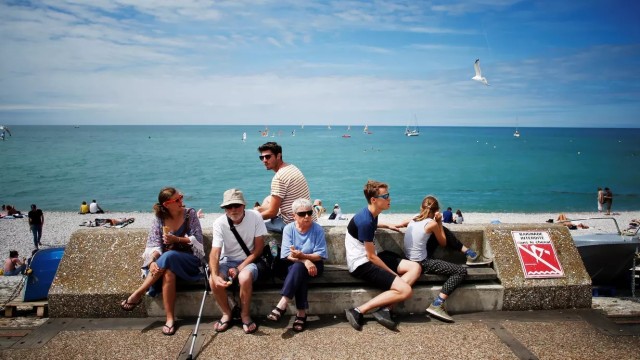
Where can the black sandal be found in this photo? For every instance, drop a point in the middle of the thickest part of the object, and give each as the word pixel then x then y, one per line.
pixel 276 314
pixel 300 323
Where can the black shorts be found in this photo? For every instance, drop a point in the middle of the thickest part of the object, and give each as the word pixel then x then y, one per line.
pixel 376 275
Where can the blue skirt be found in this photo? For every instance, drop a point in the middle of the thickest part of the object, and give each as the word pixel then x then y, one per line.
pixel 184 265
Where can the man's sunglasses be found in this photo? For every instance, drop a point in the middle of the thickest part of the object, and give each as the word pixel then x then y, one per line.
pixel 262 157
pixel 178 199
pixel 232 206
pixel 305 213
pixel 384 196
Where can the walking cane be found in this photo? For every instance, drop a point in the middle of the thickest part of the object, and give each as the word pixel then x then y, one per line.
pixel 204 296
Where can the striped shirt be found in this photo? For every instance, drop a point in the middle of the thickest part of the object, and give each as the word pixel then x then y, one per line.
pixel 289 184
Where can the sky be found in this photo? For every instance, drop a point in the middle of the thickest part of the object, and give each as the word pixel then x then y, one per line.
pixel 549 63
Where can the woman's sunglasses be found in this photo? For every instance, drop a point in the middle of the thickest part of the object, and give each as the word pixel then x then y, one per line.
pixel 178 199
pixel 305 213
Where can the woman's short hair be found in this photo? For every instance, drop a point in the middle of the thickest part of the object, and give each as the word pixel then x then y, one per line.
pixel 300 203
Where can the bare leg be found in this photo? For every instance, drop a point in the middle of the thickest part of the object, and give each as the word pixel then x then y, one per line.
pixel 169 296
pixel 245 280
pixel 151 279
pixel 399 291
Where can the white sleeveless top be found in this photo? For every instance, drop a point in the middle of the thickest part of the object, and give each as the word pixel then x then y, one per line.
pixel 415 240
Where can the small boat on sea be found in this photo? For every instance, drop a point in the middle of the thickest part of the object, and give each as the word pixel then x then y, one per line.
pixel 517 133
pixel 346 135
pixel 607 256
pixel 412 132
pixel 366 130
pixel 44 265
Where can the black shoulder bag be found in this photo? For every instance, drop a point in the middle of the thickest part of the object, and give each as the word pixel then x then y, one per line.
pixel 264 262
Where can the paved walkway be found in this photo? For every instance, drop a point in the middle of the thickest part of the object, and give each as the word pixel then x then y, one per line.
pixel 555 334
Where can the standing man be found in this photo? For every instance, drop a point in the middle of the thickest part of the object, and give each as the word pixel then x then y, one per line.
pixel 94 208
pixel 36 221
pixel 608 199
pixel 287 185
pixel 386 270
pixel 229 260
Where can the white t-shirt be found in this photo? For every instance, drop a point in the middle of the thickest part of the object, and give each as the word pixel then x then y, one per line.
pixel 93 208
pixel 415 240
pixel 251 227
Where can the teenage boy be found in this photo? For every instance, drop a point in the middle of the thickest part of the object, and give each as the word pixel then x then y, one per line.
pixel 386 270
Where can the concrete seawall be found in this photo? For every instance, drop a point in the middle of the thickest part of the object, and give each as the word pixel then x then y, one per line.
pixel 101 267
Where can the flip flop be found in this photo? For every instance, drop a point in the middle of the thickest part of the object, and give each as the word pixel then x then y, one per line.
pixel 247 327
pixel 221 326
pixel 169 330
pixel 129 306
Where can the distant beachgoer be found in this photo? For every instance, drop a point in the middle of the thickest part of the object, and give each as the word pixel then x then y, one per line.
pixel 84 208
pixel 13 265
pixel 447 216
pixel 572 225
pixel 94 208
pixel 608 199
pixel 287 185
pixel 12 211
pixel 114 222
pixel 174 252
pixel 36 221
pixel 336 214
pixel 458 218
pixel 600 199
pixel 318 208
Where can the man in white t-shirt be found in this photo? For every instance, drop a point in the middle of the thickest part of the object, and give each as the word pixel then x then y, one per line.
pixel 229 261
pixel 94 208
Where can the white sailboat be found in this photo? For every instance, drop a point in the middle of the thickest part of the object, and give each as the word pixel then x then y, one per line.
pixel 366 130
pixel 415 131
pixel 516 133
pixel 244 137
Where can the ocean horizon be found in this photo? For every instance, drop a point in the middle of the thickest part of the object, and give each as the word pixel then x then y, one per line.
pixel 475 169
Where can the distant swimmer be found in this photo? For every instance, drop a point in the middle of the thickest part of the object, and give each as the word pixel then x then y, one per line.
pixel 479 76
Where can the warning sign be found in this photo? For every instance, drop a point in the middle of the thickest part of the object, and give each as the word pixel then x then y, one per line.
pixel 537 254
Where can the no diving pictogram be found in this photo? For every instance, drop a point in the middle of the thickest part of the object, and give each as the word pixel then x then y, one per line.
pixel 537 254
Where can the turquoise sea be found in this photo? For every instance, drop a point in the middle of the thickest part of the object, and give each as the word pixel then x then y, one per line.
pixel 469 168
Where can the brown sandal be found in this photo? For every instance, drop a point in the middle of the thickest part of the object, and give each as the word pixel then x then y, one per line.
pixel 276 314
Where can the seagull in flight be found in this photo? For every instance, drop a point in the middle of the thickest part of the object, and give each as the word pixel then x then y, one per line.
pixel 479 76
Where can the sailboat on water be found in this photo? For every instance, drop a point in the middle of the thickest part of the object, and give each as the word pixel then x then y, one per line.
pixel 366 130
pixel 415 131
pixel 516 133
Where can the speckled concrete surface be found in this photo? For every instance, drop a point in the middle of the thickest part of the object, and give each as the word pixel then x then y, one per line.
pixel 553 334
pixel 580 341
pixel 573 290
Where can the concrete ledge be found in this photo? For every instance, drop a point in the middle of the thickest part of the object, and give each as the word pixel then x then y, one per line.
pixel 326 301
